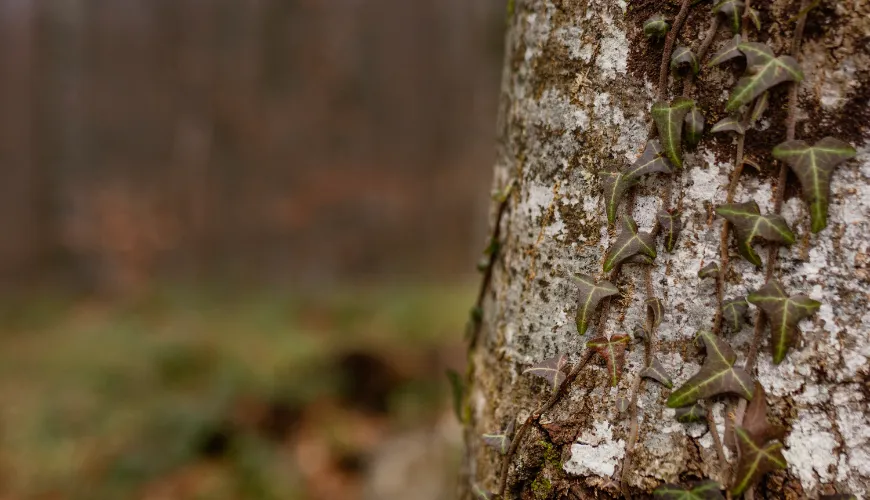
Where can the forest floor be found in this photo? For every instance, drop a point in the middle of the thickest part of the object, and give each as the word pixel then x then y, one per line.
pixel 263 395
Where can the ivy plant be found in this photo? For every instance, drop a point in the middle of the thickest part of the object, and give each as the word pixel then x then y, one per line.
pixel 784 312
pixel 749 224
pixel 669 118
pixel 552 370
pixel 591 294
pixel 718 375
pixel 630 242
pixel 613 351
pixel 765 70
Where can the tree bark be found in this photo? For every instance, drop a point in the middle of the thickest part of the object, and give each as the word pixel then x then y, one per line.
pixel 579 81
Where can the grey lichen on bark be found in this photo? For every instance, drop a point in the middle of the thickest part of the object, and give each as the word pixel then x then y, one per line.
pixel 578 84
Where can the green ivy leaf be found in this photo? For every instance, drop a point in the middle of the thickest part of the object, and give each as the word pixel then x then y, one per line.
pixel 683 57
pixel 784 312
pixel 457 391
pixel 655 309
pixel 613 352
pixel 482 494
pixel 629 242
pixel 552 370
pixel 691 414
pixel 718 375
pixel 734 312
pixel 669 122
pixel 732 10
pixel 656 27
pixel 765 70
pixel 704 490
pixel 755 17
pixel 727 52
pixel 757 458
pixel 616 183
pixel 711 270
pixel 813 166
pixel 759 108
pixel 590 295
pixel 729 124
pixel 670 225
pixel 749 223
pixel 657 372
pixel 500 442
pixel 694 122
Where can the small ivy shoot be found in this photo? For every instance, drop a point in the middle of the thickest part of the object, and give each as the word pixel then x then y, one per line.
pixel 590 295
pixel 552 370
pixel 655 310
pixel 629 242
pixel 734 313
pixel 622 404
pixel 718 375
pixel 755 17
pixel 694 122
pixel 757 458
pixel 616 183
pixel 711 270
pixel 457 391
pixel 784 312
pixel 732 10
pixel 727 52
pixel 613 352
pixel 482 494
pixel 669 122
pixel 813 166
pixel 729 124
pixel 682 57
pixel 692 414
pixel 759 108
pixel 657 372
pixel 704 490
pixel 655 27
pixel 765 70
pixel 500 442
pixel 670 225
pixel 755 420
pixel 749 223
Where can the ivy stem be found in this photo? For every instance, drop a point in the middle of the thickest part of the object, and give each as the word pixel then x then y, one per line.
pixel 669 46
pixel 717 441
pixel 535 416
pixel 688 83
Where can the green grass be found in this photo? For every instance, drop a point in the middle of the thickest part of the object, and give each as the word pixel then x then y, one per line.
pixel 99 401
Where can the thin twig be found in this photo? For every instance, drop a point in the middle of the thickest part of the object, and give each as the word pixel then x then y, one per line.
pixel 723 238
pixel 669 46
pixel 717 441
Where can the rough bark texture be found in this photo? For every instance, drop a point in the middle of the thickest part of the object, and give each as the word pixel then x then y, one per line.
pixel 578 85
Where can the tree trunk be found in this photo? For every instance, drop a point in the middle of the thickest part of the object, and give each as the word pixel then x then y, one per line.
pixel 579 80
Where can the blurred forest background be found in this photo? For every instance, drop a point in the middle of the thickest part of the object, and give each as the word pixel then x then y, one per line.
pixel 239 240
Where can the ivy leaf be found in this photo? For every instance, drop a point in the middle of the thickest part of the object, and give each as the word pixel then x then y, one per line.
pixel 669 122
pixel 655 27
pixel 813 166
pixel 759 108
pixel 552 370
pixel 671 226
pixel 655 309
pixel 639 332
pixel 616 183
pixel 734 312
pixel 629 242
pixel 729 124
pixel 711 270
pixel 749 223
pixel 613 352
pixel 683 57
pixel 691 414
pixel 457 390
pixel 704 490
pixel 757 458
pixel 718 375
pixel 590 295
pixel 732 10
pixel 727 52
pixel 500 442
pixel 755 420
pixel 784 313
pixel 657 372
pixel 482 494
pixel 765 71
pixel 694 122
pixel 755 17
pixel 622 404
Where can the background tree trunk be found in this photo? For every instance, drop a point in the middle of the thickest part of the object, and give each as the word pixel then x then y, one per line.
pixel 579 80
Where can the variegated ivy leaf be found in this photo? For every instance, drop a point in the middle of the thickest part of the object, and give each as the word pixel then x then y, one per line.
pixel 694 122
pixel 613 352
pixel 757 458
pixel 765 70
pixel 729 124
pixel 682 57
pixel 552 370
pixel 590 295
pixel 617 183
pixel 500 442
pixel 670 225
pixel 734 312
pixel 813 166
pixel 755 419
pixel 727 52
pixel 718 375
pixel 657 372
pixel 482 494
pixel 732 10
pixel 655 27
pixel 749 223
pixel 759 108
pixel 711 270
pixel 704 490
pixel 783 312
pixel 655 310
pixel 691 414
pixel 669 123
pixel 629 242
pixel 755 17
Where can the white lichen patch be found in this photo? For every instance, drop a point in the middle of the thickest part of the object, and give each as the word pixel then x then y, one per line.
pixel 595 452
pixel 810 449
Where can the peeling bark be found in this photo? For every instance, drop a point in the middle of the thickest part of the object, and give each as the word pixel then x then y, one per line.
pixel 578 83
